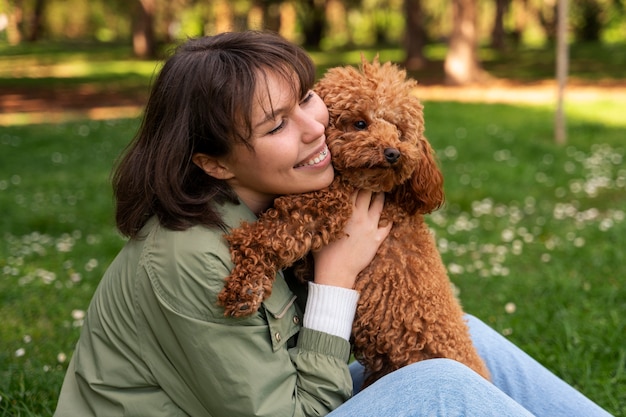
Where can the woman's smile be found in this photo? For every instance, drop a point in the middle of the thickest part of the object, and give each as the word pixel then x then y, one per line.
pixel 320 159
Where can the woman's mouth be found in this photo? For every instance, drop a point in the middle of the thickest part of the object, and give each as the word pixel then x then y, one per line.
pixel 321 156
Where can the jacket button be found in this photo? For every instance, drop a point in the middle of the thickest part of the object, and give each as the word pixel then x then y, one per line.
pixel 278 336
pixel 296 320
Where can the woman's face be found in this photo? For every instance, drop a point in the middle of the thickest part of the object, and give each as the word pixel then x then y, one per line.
pixel 290 154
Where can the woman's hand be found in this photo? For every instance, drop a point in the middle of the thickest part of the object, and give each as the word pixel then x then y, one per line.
pixel 341 261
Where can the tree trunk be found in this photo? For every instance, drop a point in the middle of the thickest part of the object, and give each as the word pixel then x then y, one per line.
pixel 589 29
pixel 497 32
pixel 288 20
pixel 313 19
pixel 547 18
pixel 562 63
pixel 271 14
pixel 36 21
pixel 168 22
pixel 14 13
pixel 144 44
pixel 520 14
pixel 415 35
pixel 224 16
pixel 461 65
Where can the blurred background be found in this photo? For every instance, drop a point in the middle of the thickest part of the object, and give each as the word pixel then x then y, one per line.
pixel 316 24
pixel 484 43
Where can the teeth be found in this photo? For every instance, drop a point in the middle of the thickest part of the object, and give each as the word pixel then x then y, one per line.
pixel 319 158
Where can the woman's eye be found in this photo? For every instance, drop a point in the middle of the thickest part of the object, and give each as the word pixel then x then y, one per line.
pixel 360 125
pixel 308 97
pixel 277 128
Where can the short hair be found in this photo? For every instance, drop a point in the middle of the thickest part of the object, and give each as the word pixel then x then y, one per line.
pixel 201 102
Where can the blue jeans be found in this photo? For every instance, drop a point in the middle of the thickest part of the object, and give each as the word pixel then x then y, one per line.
pixel 442 387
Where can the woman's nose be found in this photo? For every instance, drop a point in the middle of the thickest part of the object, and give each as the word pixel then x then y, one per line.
pixel 311 125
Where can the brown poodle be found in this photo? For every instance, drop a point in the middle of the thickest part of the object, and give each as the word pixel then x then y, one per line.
pixel 407 311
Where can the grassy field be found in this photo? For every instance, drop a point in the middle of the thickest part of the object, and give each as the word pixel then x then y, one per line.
pixel 532 234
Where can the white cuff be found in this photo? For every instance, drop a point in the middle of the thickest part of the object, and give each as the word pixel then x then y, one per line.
pixel 330 309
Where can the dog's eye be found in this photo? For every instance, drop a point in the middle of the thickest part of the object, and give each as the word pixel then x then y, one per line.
pixel 360 125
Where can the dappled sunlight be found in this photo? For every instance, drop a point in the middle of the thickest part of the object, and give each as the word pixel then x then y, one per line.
pixel 65 116
pixel 34 68
pixel 601 110
pixel 540 93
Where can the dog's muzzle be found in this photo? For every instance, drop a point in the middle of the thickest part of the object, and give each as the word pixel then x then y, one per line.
pixel 392 155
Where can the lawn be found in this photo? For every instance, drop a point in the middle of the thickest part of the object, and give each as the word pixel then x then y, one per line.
pixel 532 234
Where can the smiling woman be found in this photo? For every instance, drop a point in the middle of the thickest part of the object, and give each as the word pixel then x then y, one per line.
pixel 209 154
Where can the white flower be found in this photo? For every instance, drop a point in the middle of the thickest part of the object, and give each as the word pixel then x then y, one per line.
pixel 78 314
pixel 455 269
pixel 91 264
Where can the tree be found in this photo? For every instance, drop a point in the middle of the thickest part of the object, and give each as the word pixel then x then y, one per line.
pixel 497 32
pixel 589 24
pixel 36 21
pixel 415 35
pixel 547 15
pixel 14 12
pixel 520 11
pixel 313 18
pixel 144 43
pixel 461 65
pixel 270 11
pixel 23 21
pixel 562 63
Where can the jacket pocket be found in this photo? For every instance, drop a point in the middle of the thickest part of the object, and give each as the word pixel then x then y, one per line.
pixel 283 317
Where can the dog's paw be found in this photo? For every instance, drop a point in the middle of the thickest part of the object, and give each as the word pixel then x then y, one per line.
pixel 244 291
pixel 241 304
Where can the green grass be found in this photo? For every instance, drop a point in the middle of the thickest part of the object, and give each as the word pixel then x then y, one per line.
pixel 532 234
pixel 57 238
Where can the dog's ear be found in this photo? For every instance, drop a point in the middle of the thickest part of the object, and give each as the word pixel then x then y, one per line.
pixel 423 192
pixel 365 62
pixel 368 69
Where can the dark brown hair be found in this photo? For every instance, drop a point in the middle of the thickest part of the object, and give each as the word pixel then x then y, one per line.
pixel 201 102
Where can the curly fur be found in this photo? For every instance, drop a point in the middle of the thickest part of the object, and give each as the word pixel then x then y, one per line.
pixel 407 311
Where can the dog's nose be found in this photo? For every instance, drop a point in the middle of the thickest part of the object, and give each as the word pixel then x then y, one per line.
pixel 392 155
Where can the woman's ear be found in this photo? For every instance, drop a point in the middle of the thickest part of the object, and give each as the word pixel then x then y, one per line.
pixel 212 166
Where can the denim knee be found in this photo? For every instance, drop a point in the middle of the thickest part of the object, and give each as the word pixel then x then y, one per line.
pixel 441 374
pixel 434 372
pixel 434 387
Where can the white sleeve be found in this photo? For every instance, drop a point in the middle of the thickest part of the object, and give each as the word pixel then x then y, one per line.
pixel 330 309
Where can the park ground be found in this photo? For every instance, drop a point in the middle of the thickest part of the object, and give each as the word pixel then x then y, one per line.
pixel 20 105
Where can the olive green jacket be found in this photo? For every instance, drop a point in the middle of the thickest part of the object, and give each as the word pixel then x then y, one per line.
pixel 156 343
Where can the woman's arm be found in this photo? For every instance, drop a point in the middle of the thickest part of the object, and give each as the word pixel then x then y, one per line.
pixel 214 365
pixel 224 366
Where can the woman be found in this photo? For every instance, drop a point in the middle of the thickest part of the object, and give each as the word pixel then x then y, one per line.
pixel 231 124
